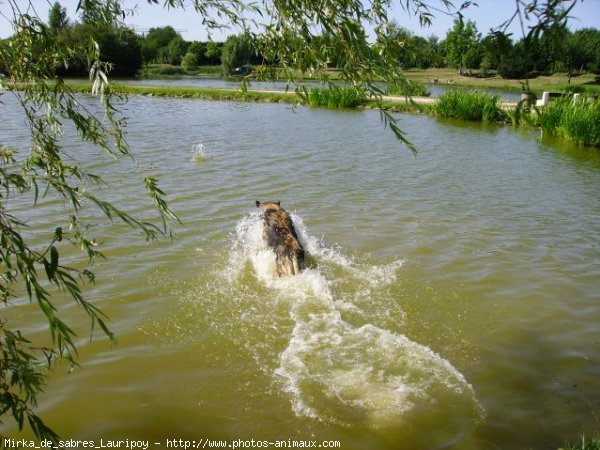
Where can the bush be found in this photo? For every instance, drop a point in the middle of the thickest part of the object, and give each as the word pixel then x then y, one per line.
pixel 469 105
pixel 190 61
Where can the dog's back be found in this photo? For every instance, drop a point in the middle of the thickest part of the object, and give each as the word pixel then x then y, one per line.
pixel 281 236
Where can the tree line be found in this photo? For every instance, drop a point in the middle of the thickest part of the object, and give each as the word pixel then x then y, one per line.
pixel 557 49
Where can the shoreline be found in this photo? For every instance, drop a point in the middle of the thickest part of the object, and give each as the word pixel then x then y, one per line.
pixel 400 102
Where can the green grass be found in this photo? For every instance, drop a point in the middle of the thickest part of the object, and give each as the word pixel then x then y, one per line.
pixel 335 97
pixel 163 70
pixel 208 70
pixel 471 105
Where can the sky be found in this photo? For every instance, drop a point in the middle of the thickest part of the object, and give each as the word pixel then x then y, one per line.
pixel 488 14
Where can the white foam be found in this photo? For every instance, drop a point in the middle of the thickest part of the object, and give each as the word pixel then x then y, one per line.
pixel 340 372
pixel 375 275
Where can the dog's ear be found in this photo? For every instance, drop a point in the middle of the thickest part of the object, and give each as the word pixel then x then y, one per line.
pixel 257 203
pixel 278 202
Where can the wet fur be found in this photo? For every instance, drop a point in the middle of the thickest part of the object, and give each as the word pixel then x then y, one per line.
pixel 281 236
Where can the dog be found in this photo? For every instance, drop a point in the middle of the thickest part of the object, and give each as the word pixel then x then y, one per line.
pixel 281 237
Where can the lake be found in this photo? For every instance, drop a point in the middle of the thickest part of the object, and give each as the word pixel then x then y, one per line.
pixel 451 299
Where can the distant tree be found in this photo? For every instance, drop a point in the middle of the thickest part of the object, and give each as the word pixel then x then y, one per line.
pixel 57 17
pixel 436 55
pixel 419 53
pixel 494 45
pixel 190 61
pixel 407 49
pixel 94 11
pixel 547 50
pixel 122 49
pixel 463 45
pixel 588 40
pixel 197 48
pixel 213 52
pixel 176 50
pixel 155 40
pixel 119 47
pixel 396 42
pixel 515 64
pixel 326 46
pixel 237 52
pixel 193 56
pixel 580 51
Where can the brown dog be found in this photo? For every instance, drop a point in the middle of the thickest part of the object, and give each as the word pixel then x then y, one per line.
pixel 281 236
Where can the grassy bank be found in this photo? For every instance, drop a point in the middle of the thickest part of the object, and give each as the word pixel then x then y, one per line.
pixel 555 82
pixel 193 92
pixel 167 70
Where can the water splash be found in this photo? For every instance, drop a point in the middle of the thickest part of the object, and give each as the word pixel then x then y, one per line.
pixel 199 153
pixel 331 339
pixel 339 364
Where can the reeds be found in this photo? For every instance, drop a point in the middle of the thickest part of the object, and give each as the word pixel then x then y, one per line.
pixel 469 105
pixel 577 122
pixel 412 88
pixel 335 97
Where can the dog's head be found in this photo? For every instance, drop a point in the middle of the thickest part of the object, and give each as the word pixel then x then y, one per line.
pixel 268 205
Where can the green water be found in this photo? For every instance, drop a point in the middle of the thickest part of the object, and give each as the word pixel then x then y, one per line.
pixel 451 300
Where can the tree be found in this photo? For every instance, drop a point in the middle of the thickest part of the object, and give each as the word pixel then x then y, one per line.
pixel 190 61
pixel 176 50
pixel 118 46
pixel 515 64
pixel 156 43
pixel 494 46
pixel 396 42
pixel 435 55
pixel 463 45
pixel 237 52
pixel 193 56
pixel 578 50
pixel 42 169
pixel 121 48
pixel 587 41
pixel 57 18
pixel 213 52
